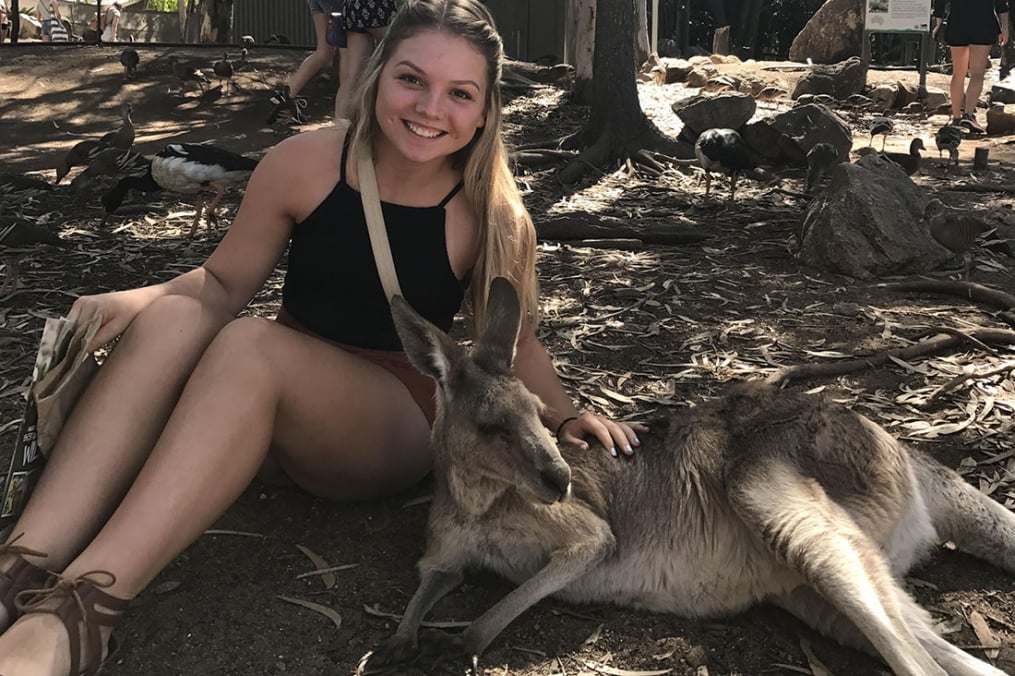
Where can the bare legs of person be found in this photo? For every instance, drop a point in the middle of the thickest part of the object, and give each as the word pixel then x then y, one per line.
pixel 177 423
pixel 972 59
pixel 960 66
pixel 354 56
pixel 979 56
pixel 320 58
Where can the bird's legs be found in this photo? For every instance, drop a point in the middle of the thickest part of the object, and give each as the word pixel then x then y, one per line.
pixel 733 187
pixel 220 190
pixel 197 216
pixel 708 182
pixel 967 265
pixel 884 140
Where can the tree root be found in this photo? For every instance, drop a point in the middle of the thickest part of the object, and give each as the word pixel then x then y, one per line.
pixel 978 293
pixel 934 345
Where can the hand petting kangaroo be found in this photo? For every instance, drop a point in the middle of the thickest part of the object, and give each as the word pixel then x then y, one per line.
pixel 761 495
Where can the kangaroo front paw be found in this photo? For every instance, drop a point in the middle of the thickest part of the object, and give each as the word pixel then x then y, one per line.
pixel 388 657
pixel 443 647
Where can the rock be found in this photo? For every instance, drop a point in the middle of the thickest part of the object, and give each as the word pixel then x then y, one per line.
pixel 700 75
pixel 869 223
pixel 724 58
pixel 834 33
pixel 840 80
pixel 936 98
pixel 1001 120
pixel 722 83
pixel 725 111
pixel 1002 93
pixel 676 70
pixel 788 136
pixel 700 59
pixel 906 94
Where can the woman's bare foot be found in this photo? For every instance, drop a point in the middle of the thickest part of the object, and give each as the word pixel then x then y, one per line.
pixel 35 645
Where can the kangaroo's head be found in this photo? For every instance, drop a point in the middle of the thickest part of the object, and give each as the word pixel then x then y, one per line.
pixel 488 428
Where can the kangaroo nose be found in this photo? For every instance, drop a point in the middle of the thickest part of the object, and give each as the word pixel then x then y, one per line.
pixel 557 480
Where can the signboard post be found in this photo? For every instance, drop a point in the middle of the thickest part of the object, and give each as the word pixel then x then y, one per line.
pixel 899 16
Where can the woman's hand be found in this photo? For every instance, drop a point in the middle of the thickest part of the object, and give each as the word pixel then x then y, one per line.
pixel 937 27
pixel 116 310
pixel 1002 39
pixel 612 435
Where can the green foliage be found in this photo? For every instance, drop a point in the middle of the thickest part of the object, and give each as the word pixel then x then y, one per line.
pixel 161 5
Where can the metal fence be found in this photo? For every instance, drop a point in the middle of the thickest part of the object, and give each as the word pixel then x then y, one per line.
pixel 262 18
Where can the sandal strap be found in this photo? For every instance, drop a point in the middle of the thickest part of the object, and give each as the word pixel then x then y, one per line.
pixel 83 607
pixel 21 575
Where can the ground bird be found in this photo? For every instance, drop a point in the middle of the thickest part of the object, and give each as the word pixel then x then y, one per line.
pixel 949 138
pixel 129 58
pixel 188 169
pixel 882 126
pixel 910 162
pixel 725 150
pixel 17 182
pixel 224 72
pixel 18 238
pixel 820 160
pixel 123 137
pixel 81 153
pixel 954 230
pixel 247 41
pixel 111 162
pixel 278 38
pixel 187 73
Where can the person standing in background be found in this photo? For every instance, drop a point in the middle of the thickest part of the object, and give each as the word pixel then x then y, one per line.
pixel 5 26
pixel 110 22
pixel 365 22
pixel 323 54
pixel 48 12
pixel 974 26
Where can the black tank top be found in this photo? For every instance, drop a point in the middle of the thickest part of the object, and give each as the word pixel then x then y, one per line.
pixel 331 283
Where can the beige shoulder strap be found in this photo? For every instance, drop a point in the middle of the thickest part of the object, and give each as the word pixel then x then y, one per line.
pixel 375 223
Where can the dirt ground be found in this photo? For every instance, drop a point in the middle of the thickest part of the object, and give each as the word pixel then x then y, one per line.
pixel 634 331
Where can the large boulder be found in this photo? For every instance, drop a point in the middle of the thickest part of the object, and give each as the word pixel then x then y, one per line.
pixel 729 110
pixel 787 137
pixel 839 80
pixel 869 223
pixel 1002 93
pixel 1001 120
pixel 834 33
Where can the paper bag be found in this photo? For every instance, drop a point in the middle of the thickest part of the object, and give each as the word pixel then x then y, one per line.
pixel 63 368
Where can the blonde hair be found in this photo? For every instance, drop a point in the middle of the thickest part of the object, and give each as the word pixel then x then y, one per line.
pixel 507 237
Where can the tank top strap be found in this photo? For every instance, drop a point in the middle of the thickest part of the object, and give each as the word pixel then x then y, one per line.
pixel 451 195
pixel 345 157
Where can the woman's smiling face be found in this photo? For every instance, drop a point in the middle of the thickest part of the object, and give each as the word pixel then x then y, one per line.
pixel 431 97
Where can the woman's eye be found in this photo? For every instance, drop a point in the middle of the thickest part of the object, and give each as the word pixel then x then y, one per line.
pixel 462 94
pixel 409 78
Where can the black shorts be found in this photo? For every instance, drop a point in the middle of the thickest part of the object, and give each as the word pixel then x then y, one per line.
pixel 964 30
pixel 362 15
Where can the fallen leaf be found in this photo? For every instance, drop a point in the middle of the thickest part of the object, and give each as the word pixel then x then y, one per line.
pixel 330 613
pixel 328 578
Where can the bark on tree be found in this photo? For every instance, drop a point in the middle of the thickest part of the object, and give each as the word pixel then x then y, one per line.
pixel 216 21
pixel 15 21
pixel 580 46
pixel 618 128
pixel 641 39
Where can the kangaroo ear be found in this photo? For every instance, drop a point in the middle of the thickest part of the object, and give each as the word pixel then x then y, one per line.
pixel 495 349
pixel 428 348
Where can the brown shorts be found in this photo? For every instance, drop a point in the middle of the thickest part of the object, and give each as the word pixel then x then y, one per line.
pixel 421 387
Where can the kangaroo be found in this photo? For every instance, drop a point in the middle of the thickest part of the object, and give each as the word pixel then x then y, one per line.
pixel 761 495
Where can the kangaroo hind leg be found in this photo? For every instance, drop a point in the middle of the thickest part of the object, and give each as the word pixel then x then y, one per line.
pixel 810 533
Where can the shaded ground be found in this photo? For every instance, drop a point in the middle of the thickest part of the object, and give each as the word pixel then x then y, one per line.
pixel 633 331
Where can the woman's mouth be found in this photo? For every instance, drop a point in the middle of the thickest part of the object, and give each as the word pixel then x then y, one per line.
pixel 424 132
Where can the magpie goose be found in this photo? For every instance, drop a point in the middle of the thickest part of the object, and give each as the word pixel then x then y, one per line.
pixel 820 160
pixel 188 169
pixel 948 138
pixel 884 127
pixel 129 58
pixel 725 150
pixel 910 162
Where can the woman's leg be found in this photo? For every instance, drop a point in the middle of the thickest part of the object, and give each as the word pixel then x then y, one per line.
pixel 343 427
pixel 359 47
pixel 978 59
pixel 113 427
pixel 960 64
pixel 318 59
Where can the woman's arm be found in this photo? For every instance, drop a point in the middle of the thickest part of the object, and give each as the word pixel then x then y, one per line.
pixel 534 368
pixel 1002 14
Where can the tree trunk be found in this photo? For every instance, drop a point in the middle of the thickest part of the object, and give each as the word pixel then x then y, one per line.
pixel 618 128
pixel 216 21
pixel 641 38
pixel 747 38
pixel 580 46
pixel 15 21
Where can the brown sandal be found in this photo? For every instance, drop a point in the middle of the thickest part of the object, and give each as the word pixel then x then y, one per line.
pixel 20 576
pixel 83 608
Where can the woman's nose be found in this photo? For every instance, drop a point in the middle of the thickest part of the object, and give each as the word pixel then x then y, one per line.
pixel 428 104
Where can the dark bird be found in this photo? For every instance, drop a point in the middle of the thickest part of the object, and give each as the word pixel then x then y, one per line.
pixel 884 127
pixel 123 137
pixel 948 138
pixel 726 151
pixel 18 238
pixel 188 169
pixel 247 41
pixel 910 162
pixel 80 154
pixel 954 230
pixel 129 58
pixel 187 73
pixel 16 183
pixel 278 38
pixel 820 160
pixel 224 72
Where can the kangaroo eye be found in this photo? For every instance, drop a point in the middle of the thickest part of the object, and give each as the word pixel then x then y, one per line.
pixel 493 430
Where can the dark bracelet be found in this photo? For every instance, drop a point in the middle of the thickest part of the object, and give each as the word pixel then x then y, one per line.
pixel 562 423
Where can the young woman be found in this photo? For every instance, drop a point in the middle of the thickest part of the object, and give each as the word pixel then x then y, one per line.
pixel 974 26
pixel 192 403
pixel 365 23
pixel 111 22
pixel 48 13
